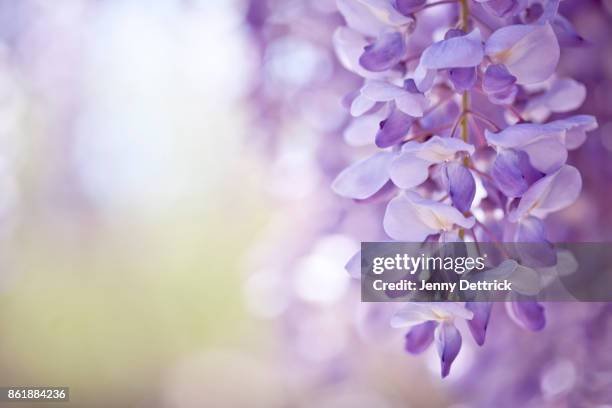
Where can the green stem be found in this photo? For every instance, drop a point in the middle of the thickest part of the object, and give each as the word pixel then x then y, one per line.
pixel 464 16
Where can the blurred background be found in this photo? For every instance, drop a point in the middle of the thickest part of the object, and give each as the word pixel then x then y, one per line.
pixel 165 220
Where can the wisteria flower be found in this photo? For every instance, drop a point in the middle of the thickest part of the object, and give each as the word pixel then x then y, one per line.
pixel 466 149
pixel 412 218
pixel 429 322
pixel 411 166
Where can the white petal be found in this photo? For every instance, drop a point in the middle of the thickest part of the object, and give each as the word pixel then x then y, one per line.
pixel 450 310
pixel 439 149
pixel 382 91
pixel 408 171
pixel 411 218
pixel 359 17
pixel 361 104
pixel 412 104
pixel 363 178
pixel 362 130
pixel 411 315
pixel 385 12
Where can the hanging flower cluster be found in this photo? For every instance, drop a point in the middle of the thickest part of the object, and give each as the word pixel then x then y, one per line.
pixel 453 115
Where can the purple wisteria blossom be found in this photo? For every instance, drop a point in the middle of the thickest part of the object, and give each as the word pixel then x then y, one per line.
pixel 453 119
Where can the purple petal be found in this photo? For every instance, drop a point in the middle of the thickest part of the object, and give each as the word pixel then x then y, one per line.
pixel 497 79
pixel 410 86
pixel 503 8
pixel 384 53
pixel 407 7
pixel 419 337
pixel 549 194
pixel 528 314
pixel 363 178
pixel 349 45
pixel 393 129
pixel 456 52
pixel 499 85
pixel 539 252
pixel 513 173
pixel 454 33
pixel 448 342
pixel 441 116
pixel 463 79
pixel 462 187
pixel 479 323
pixel 542 143
pixel 530 52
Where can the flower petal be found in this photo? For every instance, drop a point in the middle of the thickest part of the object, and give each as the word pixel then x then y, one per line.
pixel 363 178
pixel 386 12
pixel 384 53
pixel 381 91
pixel 362 130
pixel 479 323
pixel 497 78
pixel 564 95
pixel 575 128
pixel 411 218
pixel 507 174
pixel 530 52
pixel 420 337
pixel 542 143
pixel 408 171
pixel 448 342
pixel 503 8
pixel 463 79
pixel 462 186
pixel 439 149
pixel 456 52
pixel 359 17
pixel 407 7
pixel 412 314
pixel 527 314
pixel 393 129
pixel 361 104
pixel 349 45
pixel 412 102
pixel 410 168
pixel 549 194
